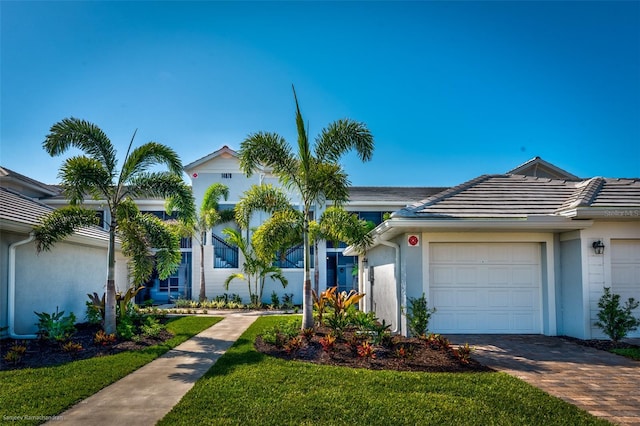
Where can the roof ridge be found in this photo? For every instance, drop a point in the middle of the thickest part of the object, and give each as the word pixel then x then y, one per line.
pixel 447 193
pixel 585 193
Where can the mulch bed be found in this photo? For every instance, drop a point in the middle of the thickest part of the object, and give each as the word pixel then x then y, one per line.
pixel 42 353
pixel 420 355
pixel 603 345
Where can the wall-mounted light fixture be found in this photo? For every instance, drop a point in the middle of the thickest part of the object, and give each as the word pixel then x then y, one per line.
pixel 365 262
pixel 598 247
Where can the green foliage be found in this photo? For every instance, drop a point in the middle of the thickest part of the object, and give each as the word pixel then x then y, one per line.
pixel 95 308
pixel 282 332
pixel 633 353
pixel 616 321
pixel 381 333
pixel 287 301
pixel 151 327
pixel 275 300
pixel 364 321
pixel 125 329
pixel 55 326
pixel 418 315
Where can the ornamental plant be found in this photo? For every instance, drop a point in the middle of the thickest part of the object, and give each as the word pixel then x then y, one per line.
pixel 616 321
pixel 418 315
pixel 55 326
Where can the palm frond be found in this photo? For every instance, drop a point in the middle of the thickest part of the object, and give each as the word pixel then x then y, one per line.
pixel 212 196
pixel 168 186
pixel 341 137
pixel 61 223
pixel 83 175
pixel 304 151
pixel 338 224
pixel 145 156
pixel 89 138
pixel 266 149
pixel 281 231
pixel 266 197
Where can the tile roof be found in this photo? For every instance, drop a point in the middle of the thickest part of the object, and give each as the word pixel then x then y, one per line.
pixel 518 196
pixel 391 194
pixel 8 175
pixel 26 212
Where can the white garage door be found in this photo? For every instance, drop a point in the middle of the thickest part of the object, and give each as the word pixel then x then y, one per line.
pixel 625 272
pixel 485 288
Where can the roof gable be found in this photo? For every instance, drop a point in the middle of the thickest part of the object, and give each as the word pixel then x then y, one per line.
pixel 537 167
pixel 26 185
pixel 224 152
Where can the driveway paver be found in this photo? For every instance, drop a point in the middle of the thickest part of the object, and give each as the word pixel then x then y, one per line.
pixel 604 384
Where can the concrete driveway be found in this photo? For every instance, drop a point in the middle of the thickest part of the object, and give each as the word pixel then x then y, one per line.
pixel 604 384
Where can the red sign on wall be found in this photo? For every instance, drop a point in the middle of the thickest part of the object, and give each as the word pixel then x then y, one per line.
pixel 413 240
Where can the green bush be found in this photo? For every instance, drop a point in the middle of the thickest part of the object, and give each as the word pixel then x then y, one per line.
pixel 616 321
pixel 418 315
pixel 56 327
pixel 125 328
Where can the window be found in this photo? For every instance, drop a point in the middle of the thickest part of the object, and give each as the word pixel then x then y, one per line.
pixel 100 216
pixel 226 175
pixel 162 215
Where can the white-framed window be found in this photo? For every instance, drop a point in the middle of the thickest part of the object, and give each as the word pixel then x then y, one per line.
pixel 226 175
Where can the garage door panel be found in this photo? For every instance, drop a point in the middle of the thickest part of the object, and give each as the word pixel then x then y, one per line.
pixel 490 291
pixel 625 273
pixel 498 298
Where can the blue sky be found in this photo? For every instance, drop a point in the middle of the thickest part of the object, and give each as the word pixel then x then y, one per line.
pixel 450 90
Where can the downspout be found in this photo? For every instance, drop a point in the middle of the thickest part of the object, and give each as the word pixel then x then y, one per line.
pixel 396 247
pixel 11 297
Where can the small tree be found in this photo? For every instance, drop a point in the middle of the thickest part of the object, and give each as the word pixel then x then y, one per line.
pixel 616 321
pixel 418 315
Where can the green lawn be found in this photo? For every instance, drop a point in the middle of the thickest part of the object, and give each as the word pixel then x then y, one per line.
pixel 633 353
pixel 248 388
pixel 48 391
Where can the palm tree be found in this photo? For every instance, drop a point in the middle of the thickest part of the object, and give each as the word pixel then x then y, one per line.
pixel 317 176
pixel 255 269
pixel 95 174
pixel 209 216
pixel 257 264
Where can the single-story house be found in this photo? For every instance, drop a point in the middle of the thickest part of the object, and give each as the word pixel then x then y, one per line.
pixel 60 278
pixel 527 252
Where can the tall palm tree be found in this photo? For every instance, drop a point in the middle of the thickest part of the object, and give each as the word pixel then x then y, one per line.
pixel 95 174
pixel 209 216
pixel 316 175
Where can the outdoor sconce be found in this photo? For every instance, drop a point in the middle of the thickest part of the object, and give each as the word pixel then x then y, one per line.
pixel 598 247
pixel 365 262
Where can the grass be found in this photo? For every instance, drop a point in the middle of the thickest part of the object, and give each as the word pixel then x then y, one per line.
pixel 246 387
pixel 33 394
pixel 633 353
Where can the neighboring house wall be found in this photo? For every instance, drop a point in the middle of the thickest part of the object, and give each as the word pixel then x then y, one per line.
pixel 59 278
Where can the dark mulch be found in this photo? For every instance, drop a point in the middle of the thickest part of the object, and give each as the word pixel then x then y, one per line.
pixel 419 355
pixel 42 353
pixel 603 345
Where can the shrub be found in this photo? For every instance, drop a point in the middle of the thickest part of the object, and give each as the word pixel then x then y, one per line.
pixel 282 332
pixel 104 339
pixel 366 350
pixel 463 353
pixel 418 315
pixel 56 327
pixel 151 327
pixel 125 328
pixel 616 321
pixel 293 345
pixel 287 301
pixel 328 343
pixel 275 300
pixel 72 347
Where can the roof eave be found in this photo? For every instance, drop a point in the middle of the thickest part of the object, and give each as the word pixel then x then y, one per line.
pixel 607 213
pixel 396 226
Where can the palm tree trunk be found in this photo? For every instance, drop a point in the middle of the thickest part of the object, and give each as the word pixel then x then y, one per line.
pixel 203 293
pixel 307 302
pixel 110 297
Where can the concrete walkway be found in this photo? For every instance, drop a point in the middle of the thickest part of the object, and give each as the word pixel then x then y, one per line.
pixel 604 384
pixel 149 393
